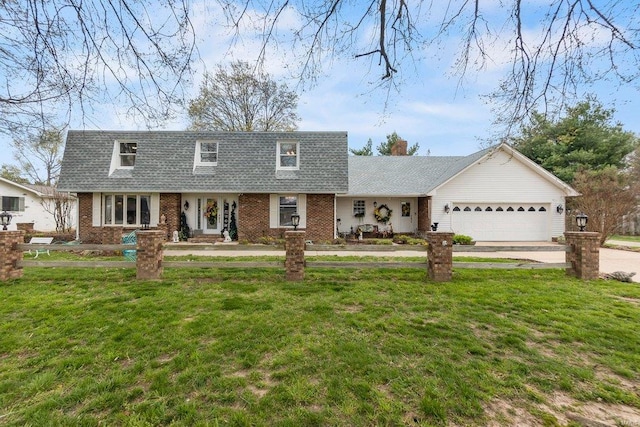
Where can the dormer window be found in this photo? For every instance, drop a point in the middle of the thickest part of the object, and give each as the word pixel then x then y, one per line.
pixel 288 158
pixel 128 152
pixel 207 153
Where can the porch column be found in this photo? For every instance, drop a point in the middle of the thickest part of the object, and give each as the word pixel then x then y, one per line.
pixel 149 254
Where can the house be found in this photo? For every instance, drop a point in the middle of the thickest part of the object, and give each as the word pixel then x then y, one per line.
pixel 496 194
pixel 259 178
pixel 34 206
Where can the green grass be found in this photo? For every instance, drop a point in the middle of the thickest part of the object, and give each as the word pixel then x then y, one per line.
pixel 626 238
pixel 344 347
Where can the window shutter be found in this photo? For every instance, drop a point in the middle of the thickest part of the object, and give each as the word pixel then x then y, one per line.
pixel 302 210
pixel 273 210
pixel 155 209
pixel 21 204
pixel 97 210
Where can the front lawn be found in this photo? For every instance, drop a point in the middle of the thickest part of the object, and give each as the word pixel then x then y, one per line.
pixel 345 347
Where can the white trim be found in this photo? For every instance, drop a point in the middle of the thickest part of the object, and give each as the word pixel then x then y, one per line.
pixel 155 209
pixel 274 210
pixel 96 217
pixel 297 154
pixel 197 160
pixel 116 160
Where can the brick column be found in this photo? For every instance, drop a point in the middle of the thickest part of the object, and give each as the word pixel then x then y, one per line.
pixel 440 256
pixel 10 254
pixel 294 263
pixel 112 235
pixel 149 256
pixel 583 254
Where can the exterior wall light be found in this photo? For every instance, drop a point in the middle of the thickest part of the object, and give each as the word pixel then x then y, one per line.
pixel 5 220
pixel 186 205
pixel 447 208
pixel 559 209
pixel 375 204
pixel 145 220
pixel 581 221
pixel 295 220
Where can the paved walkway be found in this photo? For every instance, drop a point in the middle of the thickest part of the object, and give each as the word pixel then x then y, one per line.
pixel 610 259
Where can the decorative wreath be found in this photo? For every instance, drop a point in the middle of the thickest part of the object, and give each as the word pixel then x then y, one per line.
pixel 382 213
pixel 212 210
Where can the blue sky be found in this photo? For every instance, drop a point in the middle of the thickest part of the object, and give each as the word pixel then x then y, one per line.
pixel 430 106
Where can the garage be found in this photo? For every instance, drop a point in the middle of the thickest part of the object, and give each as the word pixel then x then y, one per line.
pixel 502 222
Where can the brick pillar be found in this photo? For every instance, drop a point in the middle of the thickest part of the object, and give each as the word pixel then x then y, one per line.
pixel 440 256
pixel 112 235
pixel 10 254
pixel 583 254
pixel 294 263
pixel 149 254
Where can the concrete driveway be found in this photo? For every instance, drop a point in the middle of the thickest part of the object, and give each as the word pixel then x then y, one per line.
pixel 610 259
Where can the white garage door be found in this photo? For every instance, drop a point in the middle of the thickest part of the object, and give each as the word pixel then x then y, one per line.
pixel 502 222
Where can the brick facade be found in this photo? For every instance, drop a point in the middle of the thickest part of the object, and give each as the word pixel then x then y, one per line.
pixel 171 207
pixel 10 255
pixel 584 254
pixel 253 218
pixel 320 217
pixel 440 256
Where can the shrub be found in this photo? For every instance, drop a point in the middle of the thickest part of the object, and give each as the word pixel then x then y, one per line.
pixel 461 239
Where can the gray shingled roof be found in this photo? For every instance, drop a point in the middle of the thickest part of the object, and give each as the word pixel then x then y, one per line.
pixel 164 162
pixel 404 175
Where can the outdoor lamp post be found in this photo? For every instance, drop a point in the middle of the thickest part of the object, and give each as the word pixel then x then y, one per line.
pixel 581 221
pixel 295 220
pixel 5 219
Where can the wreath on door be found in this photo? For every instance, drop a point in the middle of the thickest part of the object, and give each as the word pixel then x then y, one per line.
pixel 382 213
pixel 211 212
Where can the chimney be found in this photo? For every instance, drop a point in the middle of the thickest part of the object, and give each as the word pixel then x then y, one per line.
pixel 399 148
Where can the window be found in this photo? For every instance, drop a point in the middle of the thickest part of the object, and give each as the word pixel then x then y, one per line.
pixel 288 155
pixel 287 206
pixel 406 208
pixel 456 209
pixel 128 154
pixel 206 153
pixel 126 209
pixel 358 208
pixel 12 204
pixel 499 209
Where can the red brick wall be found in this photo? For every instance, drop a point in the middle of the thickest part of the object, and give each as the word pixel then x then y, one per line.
pixel 253 218
pixel 320 217
pixel 170 206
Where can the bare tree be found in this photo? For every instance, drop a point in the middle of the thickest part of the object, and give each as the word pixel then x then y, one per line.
pixel 60 206
pixel 61 57
pixel 572 43
pixel 607 196
pixel 243 99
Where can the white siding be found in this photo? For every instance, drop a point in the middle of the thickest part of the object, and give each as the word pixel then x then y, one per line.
pixel 500 179
pixel 33 209
pixel 344 211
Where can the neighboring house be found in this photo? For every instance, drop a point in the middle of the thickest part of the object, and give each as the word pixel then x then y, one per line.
pixel 261 178
pixel 122 178
pixel 495 194
pixel 32 204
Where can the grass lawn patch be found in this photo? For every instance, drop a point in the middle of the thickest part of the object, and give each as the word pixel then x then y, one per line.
pixel 343 347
